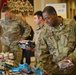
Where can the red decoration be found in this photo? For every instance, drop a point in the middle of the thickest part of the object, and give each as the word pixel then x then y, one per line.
pixel 3 2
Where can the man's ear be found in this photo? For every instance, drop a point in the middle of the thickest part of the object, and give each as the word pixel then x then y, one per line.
pixel 40 18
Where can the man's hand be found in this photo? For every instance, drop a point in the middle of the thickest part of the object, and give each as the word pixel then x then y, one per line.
pixel 45 73
pixel 28 48
pixel 67 62
pixel 69 58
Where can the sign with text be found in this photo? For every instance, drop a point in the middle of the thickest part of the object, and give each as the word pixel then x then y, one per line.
pixel 60 8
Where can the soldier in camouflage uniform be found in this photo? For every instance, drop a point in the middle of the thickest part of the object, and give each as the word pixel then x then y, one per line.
pixel 61 42
pixel 41 50
pixel 11 26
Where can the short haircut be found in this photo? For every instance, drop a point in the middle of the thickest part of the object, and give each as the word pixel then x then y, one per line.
pixel 49 10
pixel 38 13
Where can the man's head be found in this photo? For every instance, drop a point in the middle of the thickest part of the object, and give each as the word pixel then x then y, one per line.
pixel 38 18
pixel 50 15
pixel 7 11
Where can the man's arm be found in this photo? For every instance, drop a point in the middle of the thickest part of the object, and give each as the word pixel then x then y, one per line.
pixel 42 53
pixel 26 27
pixel 72 42
pixel 26 32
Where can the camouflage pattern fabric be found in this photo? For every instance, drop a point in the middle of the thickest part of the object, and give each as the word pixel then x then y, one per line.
pixel 11 35
pixel 54 44
pixel 43 57
pixel 61 42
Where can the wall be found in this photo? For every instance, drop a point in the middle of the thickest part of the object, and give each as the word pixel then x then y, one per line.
pixel 31 22
pixel 40 4
pixel 71 8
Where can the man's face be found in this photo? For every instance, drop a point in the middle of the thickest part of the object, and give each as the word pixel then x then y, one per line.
pixel 49 19
pixel 36 19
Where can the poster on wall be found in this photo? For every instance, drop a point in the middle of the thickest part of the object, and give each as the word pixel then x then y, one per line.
pixel 60 8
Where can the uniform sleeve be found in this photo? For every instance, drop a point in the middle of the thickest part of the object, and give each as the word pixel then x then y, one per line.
pixel 72 42
pixel 30 37
pixel 44 60
pixel 27 29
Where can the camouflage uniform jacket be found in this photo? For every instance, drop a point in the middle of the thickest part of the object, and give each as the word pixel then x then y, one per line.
pixel 43 57
pixel 61 41
pixel 11 29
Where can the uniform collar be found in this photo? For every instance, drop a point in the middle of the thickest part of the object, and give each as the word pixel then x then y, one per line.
pixel 39 27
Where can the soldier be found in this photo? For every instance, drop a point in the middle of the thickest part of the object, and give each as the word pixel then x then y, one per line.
pixel 41 50
pixel 61 41
pixel 11 26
